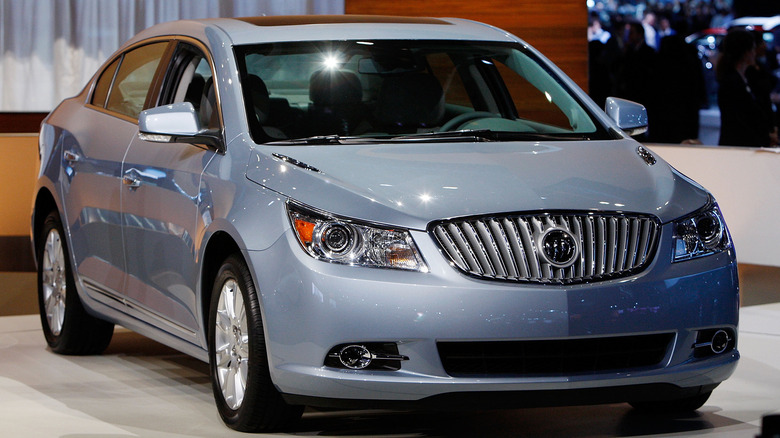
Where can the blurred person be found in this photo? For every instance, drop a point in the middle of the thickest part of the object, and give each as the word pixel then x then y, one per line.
pixel 595 31
pixel 723 15
pixel 681 92
pixel 648 24
pixel 636 73
pixel 743 122
pixel 603 52
pixel 761 78
pixel 664 29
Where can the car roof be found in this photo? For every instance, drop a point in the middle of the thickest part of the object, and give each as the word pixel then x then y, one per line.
pixel 758 23
pixel 251 30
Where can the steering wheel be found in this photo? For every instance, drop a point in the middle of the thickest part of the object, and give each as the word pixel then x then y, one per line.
pixel 465 117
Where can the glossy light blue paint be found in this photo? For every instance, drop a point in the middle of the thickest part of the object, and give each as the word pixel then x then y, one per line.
pixel 139 251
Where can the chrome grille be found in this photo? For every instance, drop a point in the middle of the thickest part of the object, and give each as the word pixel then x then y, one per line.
pixel 508 247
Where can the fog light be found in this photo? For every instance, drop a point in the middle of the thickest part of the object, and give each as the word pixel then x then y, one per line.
pixel 355 357
pixel 712 342
pixel 365 356
pixel 720 342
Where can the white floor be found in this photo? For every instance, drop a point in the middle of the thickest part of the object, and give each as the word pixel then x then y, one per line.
pixel 142 389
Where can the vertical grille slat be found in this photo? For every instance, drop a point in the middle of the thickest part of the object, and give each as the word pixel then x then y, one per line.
pixel 480 251
pixel 632 243
pixel 601 246
pixel 530 248
pixel 465 249
pixel 517 248
pixel 445 238
pixel 506 247
pixel 590 247
pixel 611 245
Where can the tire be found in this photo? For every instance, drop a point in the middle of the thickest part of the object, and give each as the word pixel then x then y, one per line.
pixel 679 406
pixel 246 398
pixel 67 326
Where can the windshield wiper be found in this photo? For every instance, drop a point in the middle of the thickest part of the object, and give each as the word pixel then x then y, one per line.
pixel 478 135
pixel 429 137
pixel 463 135
pixel 314 140
pixel 488 135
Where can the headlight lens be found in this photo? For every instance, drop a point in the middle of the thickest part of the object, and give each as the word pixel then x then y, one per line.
pixel 699 235
pixel 350 242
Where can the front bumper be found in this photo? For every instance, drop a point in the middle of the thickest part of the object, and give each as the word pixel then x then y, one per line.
pixel 311 306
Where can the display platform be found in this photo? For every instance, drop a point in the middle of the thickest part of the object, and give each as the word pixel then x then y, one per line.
pixel 140 388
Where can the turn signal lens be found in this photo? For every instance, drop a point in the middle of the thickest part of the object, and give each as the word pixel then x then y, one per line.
pixel 304 229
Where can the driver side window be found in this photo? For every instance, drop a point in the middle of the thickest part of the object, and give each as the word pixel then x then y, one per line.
pixel 193 82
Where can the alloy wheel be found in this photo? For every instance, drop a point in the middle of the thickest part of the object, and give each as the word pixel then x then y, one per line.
pixel 54 281
pixel 232 344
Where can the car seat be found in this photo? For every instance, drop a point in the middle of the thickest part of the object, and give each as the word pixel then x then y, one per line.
pixel 336 102
pixel 409 103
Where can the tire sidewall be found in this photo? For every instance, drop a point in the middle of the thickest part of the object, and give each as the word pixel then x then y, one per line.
pixel 235 269
pixel 52 222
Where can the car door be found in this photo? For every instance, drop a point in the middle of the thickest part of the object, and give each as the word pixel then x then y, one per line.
pixel 160 203
pixel 92 159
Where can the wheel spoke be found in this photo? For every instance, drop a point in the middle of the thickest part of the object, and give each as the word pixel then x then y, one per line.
pixel 230 344
pixel 50 303
pixel 223 359
pixel 229 290
pixel 54 281
pixel 230 389
pixel 239 383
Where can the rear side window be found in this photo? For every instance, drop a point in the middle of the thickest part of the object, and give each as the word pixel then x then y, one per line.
pixel 103 84
pixel 134 78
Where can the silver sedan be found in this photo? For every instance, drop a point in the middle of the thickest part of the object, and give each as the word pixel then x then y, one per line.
pixel 376 211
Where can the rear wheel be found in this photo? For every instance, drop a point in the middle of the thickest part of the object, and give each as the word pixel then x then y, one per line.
pixel 245 395
pixel 67 326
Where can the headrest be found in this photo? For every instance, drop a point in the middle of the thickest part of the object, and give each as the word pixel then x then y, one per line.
pixel 335 87
pixel 195 90
pixel 411 100
pixel 258 93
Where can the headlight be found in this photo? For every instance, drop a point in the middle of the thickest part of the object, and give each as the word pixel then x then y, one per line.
pixel 699 235
pixel 345 241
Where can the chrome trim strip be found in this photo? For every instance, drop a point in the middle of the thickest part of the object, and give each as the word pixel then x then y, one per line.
pixel 131 304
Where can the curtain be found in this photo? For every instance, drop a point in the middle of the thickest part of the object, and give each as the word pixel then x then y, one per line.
pixel 51 48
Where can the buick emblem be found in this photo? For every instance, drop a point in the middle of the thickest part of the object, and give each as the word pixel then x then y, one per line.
pixel 558 247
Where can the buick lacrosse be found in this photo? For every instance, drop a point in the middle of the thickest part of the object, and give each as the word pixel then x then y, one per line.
pixel 353 211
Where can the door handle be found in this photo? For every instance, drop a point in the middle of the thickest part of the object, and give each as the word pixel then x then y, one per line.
pixel 130 182
pixel 71 157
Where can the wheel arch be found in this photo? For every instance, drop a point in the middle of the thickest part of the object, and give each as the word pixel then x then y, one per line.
pixel 219 247
pixel 44 204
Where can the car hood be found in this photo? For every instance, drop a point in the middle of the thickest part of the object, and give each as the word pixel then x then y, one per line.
pixel 412 184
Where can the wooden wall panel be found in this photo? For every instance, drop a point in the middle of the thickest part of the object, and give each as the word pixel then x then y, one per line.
pixel 557 28
pixel 18 170
pixel 21 122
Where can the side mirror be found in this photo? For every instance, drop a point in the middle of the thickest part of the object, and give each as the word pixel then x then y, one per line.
pixel 176 123
pixel 631 117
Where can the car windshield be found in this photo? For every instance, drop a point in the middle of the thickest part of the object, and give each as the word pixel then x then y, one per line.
pixel 336 91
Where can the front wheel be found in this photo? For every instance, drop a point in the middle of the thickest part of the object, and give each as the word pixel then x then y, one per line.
pixel 67 326
pixel 245 395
